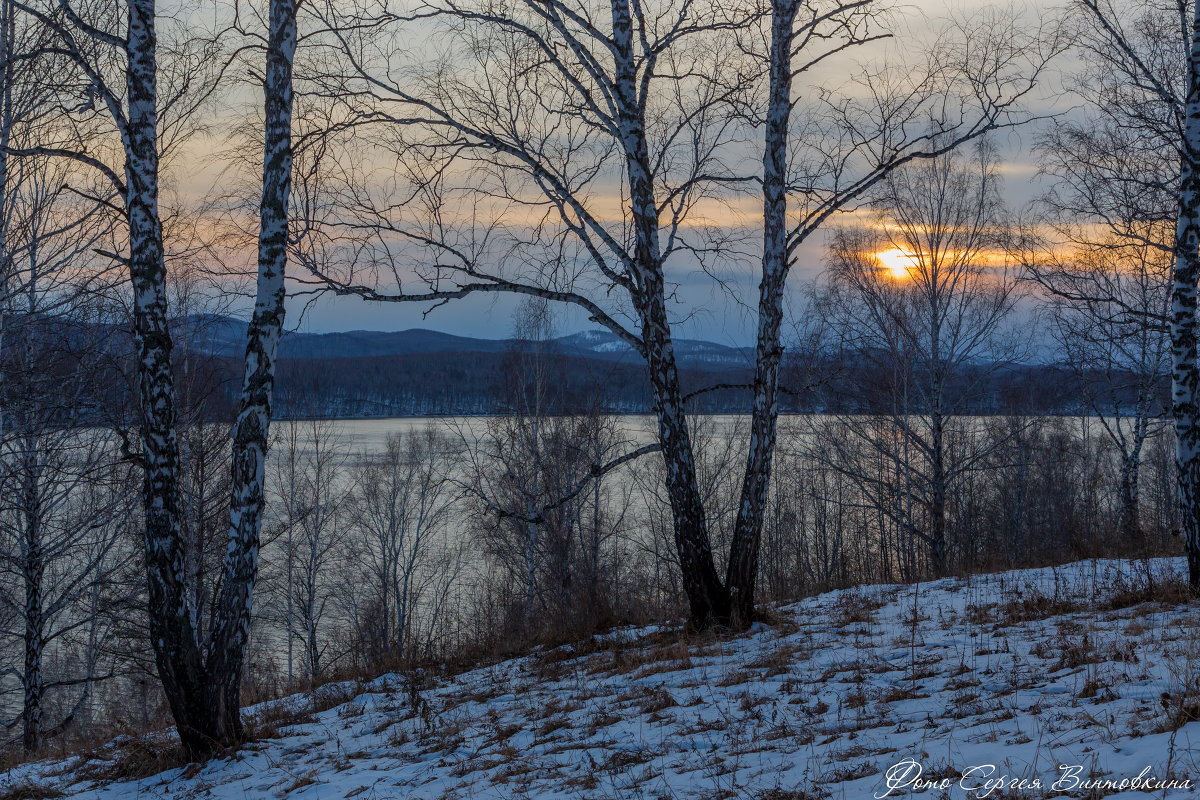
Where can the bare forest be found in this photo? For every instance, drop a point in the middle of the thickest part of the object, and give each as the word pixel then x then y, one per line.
pixel 959 249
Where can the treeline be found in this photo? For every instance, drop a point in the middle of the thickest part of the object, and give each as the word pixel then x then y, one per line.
pixel 448 384
pixel 469 383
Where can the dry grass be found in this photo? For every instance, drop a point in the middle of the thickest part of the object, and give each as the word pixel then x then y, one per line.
pixel 29 790
pixel 1168 591
pixel 794 794
pixel 131 758
pixel 856 607
pixel 1026 606
pixel 272 719
pixel 1076 642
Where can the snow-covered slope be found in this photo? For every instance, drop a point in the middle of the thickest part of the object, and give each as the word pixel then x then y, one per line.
pixel 1025 671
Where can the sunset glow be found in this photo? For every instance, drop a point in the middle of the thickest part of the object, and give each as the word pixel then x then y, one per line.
pixel 897 262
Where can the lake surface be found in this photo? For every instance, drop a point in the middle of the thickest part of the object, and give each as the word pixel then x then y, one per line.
pixel 370 435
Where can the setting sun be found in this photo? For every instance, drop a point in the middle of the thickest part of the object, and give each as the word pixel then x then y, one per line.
pixel 897 262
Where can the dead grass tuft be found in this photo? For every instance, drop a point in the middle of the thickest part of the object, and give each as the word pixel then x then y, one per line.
pixel 1178 710
pixel 131 758
pixel 814 793
pixel 29 790
pixel 271 720
pixel 1171 591
pixel 856 607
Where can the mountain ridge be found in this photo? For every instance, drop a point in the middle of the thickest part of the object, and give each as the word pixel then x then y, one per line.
pixel 224 336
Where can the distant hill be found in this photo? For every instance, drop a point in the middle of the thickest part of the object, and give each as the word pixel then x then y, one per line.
pixel 426 373
pixel 225 336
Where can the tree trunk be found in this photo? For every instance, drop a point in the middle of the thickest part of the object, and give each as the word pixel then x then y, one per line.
pixel 1185 372
pixel 529 553
pixel 708 601
pixel 939 561
pixel 533 493
pixel 7 73
pixel 33 569
pixel 400 639
pixel 741 577
pixel 312 650
pixel 231 635
pixel 172 624
pixel 1130 491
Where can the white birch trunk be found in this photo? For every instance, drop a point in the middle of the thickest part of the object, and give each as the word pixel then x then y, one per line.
pixel 747 533
pixel 251 431
pixel 707 597
pixel 1185 372
pixel 172 621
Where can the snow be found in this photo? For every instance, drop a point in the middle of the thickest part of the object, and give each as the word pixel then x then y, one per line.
pixel 615 346
pixel 1026 671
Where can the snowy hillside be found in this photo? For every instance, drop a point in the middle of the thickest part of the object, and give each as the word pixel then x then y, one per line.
pixel 1024 671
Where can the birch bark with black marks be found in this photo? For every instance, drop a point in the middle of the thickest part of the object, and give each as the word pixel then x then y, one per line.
pixel 1144 89
pixel 940 109
pixel 596 72
pixel 708 599
pixel 1185 371
pixel 144 124
pixel 742 574
pixel 251 431
pixel 173 626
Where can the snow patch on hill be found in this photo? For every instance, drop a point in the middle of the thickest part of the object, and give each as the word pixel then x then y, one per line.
pixel 1085 666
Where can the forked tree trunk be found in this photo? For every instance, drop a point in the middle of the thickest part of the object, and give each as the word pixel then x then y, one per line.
pixel 741 577
pixel 204 697
pixel 1185 372
pixel 231 634
pixel 708 600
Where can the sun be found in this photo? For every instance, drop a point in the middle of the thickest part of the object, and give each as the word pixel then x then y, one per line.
pixel 897 262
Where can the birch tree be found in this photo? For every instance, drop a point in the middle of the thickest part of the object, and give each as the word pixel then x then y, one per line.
pixel 58 524
pixel 129 97
pixel 201 675
pixel 62 513
pixel 544 110
pixel 311 494
pixel 251 432
pixel 8 73
pixel 1141 77
pixel 537 110
pixel 61 529
pixel 399 508
pixel 973 81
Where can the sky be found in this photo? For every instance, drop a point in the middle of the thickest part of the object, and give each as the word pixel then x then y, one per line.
pixel 703 309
